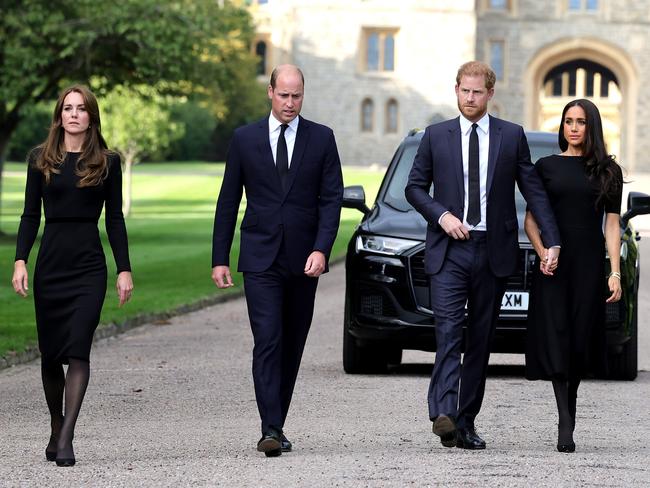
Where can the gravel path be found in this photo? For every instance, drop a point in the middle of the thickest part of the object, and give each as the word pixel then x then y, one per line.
pixel 172 404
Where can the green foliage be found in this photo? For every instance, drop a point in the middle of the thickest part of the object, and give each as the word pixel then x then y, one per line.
pixel 182 47
pixel 137 123
pixel 31 131
pixel 199 125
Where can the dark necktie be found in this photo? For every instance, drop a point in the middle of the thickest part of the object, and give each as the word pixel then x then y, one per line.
pixel 282 156
pixel 473 180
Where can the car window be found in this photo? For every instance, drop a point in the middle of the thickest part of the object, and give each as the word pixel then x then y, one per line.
pixel 394 195
pixel 540 150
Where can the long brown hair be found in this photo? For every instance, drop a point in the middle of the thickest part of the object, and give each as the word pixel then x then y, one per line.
pixel 92 165
pixel 601 167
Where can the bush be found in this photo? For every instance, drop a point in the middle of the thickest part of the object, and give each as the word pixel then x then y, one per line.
pixel 199 124
pixel 31 131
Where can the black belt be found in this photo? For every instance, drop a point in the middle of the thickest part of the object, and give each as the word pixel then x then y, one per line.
pixel 60 220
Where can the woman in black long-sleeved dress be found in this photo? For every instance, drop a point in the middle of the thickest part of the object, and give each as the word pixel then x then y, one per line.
pixel 74 175
pixel 566 327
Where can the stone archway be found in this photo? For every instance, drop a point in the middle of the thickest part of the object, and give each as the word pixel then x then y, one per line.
pixel 621 117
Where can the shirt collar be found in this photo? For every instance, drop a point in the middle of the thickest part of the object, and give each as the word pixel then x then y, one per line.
pixel 483 124
pixel 275 123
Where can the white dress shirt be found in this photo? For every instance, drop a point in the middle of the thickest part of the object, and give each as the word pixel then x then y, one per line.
pixel 289 135
pixel 483 131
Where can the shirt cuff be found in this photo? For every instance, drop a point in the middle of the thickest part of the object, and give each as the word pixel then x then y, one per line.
pixel 443 214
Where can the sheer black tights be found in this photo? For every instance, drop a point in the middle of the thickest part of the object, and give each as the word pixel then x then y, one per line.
pixel 70 388
pixel 566 395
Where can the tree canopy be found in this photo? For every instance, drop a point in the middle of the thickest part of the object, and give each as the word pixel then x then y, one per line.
pixel 190 47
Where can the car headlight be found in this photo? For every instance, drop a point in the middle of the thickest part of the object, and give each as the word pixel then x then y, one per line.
pixel 384 245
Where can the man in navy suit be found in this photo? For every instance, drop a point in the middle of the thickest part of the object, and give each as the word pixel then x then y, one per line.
pixel 473 162
pixel 290 169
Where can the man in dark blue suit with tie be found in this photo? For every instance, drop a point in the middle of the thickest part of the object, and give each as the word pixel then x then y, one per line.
pixel 473 162
pixel 290 169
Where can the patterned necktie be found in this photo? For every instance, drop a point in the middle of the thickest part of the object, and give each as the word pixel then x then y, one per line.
pixel 473 183
pixel 282 157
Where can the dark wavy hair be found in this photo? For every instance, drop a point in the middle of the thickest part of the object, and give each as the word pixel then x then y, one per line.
pixel 92 165
pixel 601 167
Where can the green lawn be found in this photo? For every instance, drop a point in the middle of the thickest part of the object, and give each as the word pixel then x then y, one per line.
pixel 170 230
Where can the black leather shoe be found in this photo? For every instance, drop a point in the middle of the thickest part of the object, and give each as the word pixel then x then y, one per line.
pixel 469 439
pixel 286 444
pixel 445 428
pixel 270 444
pixel 566 447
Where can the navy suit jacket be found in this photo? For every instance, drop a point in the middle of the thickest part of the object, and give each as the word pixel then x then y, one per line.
pixel 305 216
pixel 439 161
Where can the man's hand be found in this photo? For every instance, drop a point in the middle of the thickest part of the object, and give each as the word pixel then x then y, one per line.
pixel 454 227
pixel 315 264
pixel 550 260
pixel 221 276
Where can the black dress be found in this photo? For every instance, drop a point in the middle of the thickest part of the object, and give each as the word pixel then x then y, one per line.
pixel 566 324
pixel 70 273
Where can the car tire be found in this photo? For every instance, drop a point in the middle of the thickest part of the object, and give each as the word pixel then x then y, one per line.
pixel 361 359
pixel 624 364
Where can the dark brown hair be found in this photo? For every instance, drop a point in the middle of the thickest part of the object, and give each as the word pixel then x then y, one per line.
pixel 477 68
pixel 601 167
pixel 92 165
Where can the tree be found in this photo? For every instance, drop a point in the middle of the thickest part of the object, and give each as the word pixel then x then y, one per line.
pixel 137 123
pixel 180 46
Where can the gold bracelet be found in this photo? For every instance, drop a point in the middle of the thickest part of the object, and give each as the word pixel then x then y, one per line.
pixel 615 274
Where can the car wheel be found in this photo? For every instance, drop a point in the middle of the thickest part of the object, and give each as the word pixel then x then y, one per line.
pixel 624 365
pixel 361 359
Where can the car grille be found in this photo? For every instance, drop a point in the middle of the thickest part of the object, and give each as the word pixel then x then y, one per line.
pixel 520 280
pixel 374 301
pixel 615 312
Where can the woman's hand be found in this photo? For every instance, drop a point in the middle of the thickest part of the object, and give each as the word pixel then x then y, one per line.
pixel 614 284
pixel 124 286
pixel 547 262
pixel 20 278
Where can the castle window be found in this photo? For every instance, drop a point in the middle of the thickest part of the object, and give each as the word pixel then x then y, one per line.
pixel 577 5
pixel 379 49
pixel 497 61
pixel 367 115
pixel 391 116
pixel 260 51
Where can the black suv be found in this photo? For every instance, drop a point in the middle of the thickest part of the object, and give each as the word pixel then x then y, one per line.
pixel 387 291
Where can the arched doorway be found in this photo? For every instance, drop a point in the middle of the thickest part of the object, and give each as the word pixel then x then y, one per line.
pixel 584 68
pixel 582 78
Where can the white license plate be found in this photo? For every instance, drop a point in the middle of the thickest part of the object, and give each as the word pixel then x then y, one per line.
pixel 515 300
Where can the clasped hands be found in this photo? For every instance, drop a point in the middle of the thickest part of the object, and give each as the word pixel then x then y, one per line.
pixel 455 229
pixel 314 267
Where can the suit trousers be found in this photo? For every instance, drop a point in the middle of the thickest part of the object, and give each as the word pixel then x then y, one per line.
pixel 464 279
pixel 280 308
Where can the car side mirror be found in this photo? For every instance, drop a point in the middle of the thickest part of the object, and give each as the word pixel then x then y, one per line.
pixel 637 204
pixel 355 197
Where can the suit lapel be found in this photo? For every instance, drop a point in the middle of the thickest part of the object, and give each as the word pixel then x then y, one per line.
pixel 266 155
pixel 302 137
pixel 456 151
pixel 493 154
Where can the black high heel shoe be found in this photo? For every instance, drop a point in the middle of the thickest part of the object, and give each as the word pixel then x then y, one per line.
pixel 564 446
pixel 65 462
pixel 51 455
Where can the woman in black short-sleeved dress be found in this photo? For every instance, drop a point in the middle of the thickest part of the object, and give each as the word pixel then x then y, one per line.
pixel 566 326
pixel 74 175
